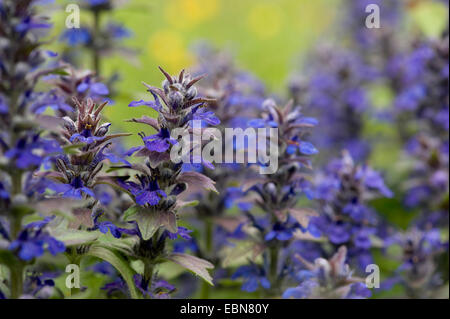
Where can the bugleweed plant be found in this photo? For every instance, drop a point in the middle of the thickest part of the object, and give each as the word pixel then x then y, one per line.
pixel 24 147
pixel 330 279
pixel 76 84
pixel 238 98
pixel 158 183
pixel 276 196
pixel 343 191
pixel 335 92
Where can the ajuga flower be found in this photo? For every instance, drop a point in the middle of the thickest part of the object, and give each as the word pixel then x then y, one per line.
pixel 74 83
pixel 159 142
pixel 238 97
pixel 159 181
pixel 76 36
pixel 31 151
pixel 41 285
pixel 336 93
pixel 427 185
pixel 79 170
pixel 420 79
pixel 328 279
pixel 343 192
pixel 24 146
pixel 420 272
pixel 374 44
pixel 254 276
pixel 277 193
pixel 33 239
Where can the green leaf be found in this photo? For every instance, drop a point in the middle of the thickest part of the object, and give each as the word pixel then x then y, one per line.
pixel 196 180
pixel 192 203
pixel 194 264
pixel 72 148
pixel 241 252
pixel 150 221
pixel 120 264
pixel 72 237
pixel 124 244
pixel 147 223
pixel 133 210
pixel 59 72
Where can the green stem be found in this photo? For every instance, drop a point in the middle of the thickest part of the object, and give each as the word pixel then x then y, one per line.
pixel 16 189
pixel 206 288
pixel 273 275
pixel 16 280
pixel 148 272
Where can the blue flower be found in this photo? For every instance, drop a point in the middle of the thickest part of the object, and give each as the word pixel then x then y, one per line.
pixel 104 268
pixel 151 104
pixel 355 211
pixel 201 114
pixel 74 189
pixel 96 2
pixel 160 289
pixel 32 150
pixel 115 156
pixel 182 232
pixel 282 231
pixel 4 194
pixel 232 195
pixel 362 238
pixel 373 180
pixel 181 246
pixel 156 104
pixel 307 148
pixel 159 142
pixel 147 192
pixel 95 88
pixel 253 275
pixel 151 195
pixel 103 227
pixel 35 282
pixel 28 24
pixel 359 291
pixel 33 240
pixel 41 102
pixel 118 31
pixel 4 108
pixel 304 290
pixel 196 163
pixel 76 36
pixel 261 123
pixel 86 137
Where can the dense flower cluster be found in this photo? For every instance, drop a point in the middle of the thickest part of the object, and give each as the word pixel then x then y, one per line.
pixel 343 191
pixel 276 195
pixel 328 279
pixel 24 148
pixel 309 229
pixel 336 93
